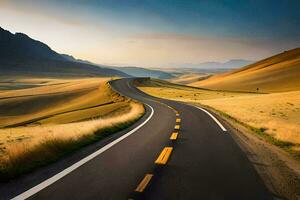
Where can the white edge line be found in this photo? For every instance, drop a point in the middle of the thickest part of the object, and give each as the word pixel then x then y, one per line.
pixel 68 170
pixel 213 117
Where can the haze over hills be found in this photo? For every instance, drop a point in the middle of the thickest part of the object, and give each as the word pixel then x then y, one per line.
pixel 130 70
pixel 280 72
pixel 143 72
pixel 20 54
pixel 231 64
pixel 204 68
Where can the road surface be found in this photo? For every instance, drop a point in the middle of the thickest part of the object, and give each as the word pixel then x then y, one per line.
pixel 204 162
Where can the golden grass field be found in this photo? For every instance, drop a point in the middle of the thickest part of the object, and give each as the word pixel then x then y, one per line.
pixel 277 113
pixel 57 110
pixel 279 73
pixel 14 141
pixel 56 101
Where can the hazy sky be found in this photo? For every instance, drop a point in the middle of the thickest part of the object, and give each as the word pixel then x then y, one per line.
pixel 157 33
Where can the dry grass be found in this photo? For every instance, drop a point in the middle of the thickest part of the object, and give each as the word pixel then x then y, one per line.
pixel 16 140
pixel 277 114
pixel 24 148
pixel 56 101
pixel 39 86
pixel 184 93
pixel 53 117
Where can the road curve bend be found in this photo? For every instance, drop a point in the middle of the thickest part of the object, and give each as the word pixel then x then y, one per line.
pixel 180 152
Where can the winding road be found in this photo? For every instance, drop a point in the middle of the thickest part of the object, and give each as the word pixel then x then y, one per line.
pixel 202 161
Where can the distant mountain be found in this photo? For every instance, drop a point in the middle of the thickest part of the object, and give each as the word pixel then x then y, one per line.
pixel 280 72
pixel 21 47
pixel 231 64
pixel 20 54
pixel 142 72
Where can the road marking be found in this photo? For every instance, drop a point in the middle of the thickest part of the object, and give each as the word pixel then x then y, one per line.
pixel 177 127
pixel 170 107
pixel 213 117
pixel 174 110
pixel 143 184
pixel 76 165
pixel 178 120
pixel 174 136
pixel 164 156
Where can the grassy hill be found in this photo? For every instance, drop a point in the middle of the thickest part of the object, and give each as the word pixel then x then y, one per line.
pixel 43 119
pixel 55 101
pixel 275 74
pixel 189 78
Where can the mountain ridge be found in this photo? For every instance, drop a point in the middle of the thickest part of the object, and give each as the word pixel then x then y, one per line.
pixel 20 54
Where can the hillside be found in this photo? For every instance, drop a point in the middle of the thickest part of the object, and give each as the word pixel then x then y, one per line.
pixel 142 72
pixel 189 78
pixel 278 73
pixel 60 112
pixel 56 101
pixel 20 54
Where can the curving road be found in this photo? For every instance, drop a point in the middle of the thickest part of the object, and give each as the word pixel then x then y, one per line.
pixel 205 162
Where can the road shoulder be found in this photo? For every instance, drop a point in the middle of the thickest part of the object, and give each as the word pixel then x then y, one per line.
pixel 279 171
pixel 27 181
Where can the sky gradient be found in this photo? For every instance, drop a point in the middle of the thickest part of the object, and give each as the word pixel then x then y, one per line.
pixel 157 33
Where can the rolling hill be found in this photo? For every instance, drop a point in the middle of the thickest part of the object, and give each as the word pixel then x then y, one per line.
pixel 20 54
pixel 278 73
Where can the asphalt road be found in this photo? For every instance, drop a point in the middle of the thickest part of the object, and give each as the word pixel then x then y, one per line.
pixel 205 162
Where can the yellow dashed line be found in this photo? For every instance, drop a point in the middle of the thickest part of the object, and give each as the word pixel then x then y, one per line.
pixel 143 184
pixel 164 156
pixel 174 136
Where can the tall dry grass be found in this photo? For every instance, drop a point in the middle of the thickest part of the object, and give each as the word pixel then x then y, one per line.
pixel 45 144
pixel 277 113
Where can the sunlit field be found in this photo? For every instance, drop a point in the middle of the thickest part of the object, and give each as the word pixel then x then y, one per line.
pixel 54 116
pixel 55 101
pixel 277 114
